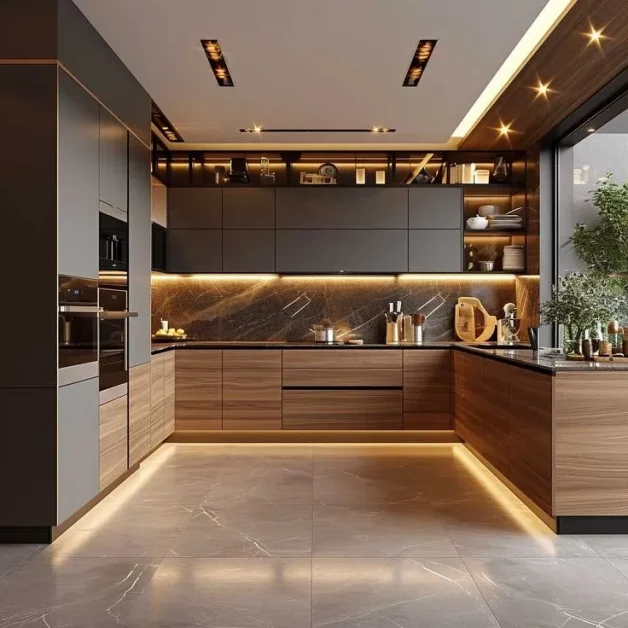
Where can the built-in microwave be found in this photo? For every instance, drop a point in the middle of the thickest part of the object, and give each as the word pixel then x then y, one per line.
pixel 113 243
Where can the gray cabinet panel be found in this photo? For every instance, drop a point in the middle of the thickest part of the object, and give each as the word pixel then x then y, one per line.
pixel 195 250
pixel 78 438
pixel 195 208
pixel 435 251
pixel 248 208
pixel 435 207
pixel 329 250
pixel 113 162
pixel 342 208
pixel 139 251
pixel 78 180
pixel 248 251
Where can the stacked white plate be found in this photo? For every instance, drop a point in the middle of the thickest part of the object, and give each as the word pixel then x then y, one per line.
pixel 505 222
pixel 514 259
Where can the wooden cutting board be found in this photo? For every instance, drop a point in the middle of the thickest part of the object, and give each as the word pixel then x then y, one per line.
pixel 472 322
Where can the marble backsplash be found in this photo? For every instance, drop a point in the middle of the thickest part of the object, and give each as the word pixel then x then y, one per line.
pixel 284 308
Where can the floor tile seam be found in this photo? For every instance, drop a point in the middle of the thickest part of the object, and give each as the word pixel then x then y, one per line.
pixel 621 573
pixel 488 604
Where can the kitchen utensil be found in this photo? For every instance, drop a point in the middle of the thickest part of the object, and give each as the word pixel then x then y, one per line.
pixel 477 222
pixel 487 210
pixel 418 322
pixel 323 334
pixel 472 322
pixel 533 335
pixel 486 265
pixel 408 329
pixel 392 333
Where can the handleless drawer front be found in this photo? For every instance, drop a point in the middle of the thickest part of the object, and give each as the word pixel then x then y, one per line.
pixel 342 378
pixel 338 208
pixel 342 358
pixel 198 390
pixel 195 208
pixel 342 409
pixel 251 389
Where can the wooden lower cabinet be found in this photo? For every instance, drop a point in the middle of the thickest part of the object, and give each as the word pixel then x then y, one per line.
pixel 169 393
pixel 139 412
pixel 251 389
pixel 113 440
pixel 342 409
pixel 198 389
pixel 427 393
pixel 157 406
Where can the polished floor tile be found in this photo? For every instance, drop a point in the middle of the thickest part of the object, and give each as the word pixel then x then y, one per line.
pixel 553 593
pixel 612 545
pixel 373 593
pixel 13 555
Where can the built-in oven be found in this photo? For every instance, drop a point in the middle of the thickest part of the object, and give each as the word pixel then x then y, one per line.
pixel 79 314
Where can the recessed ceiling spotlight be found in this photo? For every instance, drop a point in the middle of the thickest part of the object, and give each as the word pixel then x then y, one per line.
pixel 217 61
pixel 542 89
pixel 590 130
pixel 504 129
pixel 257 128
pixel 161 122
pixel 595 36
pixel 422 55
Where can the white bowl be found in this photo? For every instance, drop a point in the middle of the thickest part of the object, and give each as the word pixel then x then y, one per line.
pixel 477 222
pixel 487 210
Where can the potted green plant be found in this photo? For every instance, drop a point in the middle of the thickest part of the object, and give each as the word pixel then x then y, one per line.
pixel 578 303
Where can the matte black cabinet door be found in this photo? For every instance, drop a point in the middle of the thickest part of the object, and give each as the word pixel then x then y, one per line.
pixel 435 251
pixel 195 208
pixel 342 208
pixel 248 208
pixel 344 250
pixel 78 180
pixel 195 250
pixel 435 207
pixel 113 162
pixel 248 251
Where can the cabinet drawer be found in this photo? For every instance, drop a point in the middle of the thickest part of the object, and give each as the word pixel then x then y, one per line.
pixel 342 358
pixel 342 409
pixel 339 377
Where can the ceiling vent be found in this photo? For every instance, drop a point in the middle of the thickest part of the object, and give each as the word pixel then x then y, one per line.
pixel 217 61
pixel 164 125
pixel 419 62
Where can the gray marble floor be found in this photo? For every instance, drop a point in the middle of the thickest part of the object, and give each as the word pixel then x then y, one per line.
pixel 341 536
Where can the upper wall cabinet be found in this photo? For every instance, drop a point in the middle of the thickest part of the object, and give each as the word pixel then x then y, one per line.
pixel 342 208
pixel 78 180
pixel 436 208
pixel 194 208
pixel 195 251
pixel 248 208
pixel 113 162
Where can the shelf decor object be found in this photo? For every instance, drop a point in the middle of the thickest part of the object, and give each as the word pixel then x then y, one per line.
pixel 472 322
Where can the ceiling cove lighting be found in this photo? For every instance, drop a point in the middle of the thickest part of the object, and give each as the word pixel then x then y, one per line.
pixel 260 130
pixel 422 55
pixel 163 124
pixel 217 61
pixel 542 26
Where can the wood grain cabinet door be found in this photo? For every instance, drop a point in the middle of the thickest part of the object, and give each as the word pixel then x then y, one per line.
pixel 198 390
pixel 169 392
pixel 139 412
pixel 427 390
pixel 113 440
pixel 251 390
pixel 157 408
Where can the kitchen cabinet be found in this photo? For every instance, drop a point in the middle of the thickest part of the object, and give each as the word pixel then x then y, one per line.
pixel 342 208
pixel 113 440
pixel 427 389
pixel 248 208
pixel 198 390
pixel 169 393
pixel 140 257
pixel 113 162
pixel 342 250
pixel 194 208
pixel 248 251
pixel 195 250
pixel 157 399
pixel 78 174
pixel 158 202
pixel 435 251
pixel 78 447
pixel 139 412
pixel 435 208
pixel 251 390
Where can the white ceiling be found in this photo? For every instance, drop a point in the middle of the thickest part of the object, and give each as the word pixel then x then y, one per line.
pixel 313 64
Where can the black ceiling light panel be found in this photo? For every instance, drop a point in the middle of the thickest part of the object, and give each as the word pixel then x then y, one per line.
pixel 164 125
pixel 375 129
pixel 217 61
pixel 422 55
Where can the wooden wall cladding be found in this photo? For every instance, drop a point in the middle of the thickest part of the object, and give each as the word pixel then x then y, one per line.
pixel 251 390
pixel 427 390
pixel 113 440
pixel 591 444
pixel 342 409
pixel 575 70
pixel 198 390
pixel 139 412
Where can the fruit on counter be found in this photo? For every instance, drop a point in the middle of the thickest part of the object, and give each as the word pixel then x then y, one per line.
pixel 161 332
pixel 172 331
pixel 180 332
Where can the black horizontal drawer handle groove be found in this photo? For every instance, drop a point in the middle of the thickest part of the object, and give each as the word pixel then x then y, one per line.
pixel 342 387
